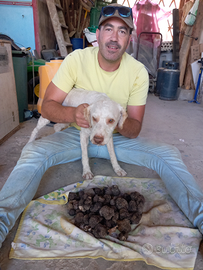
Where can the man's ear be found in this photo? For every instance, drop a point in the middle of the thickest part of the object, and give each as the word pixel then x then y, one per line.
pixel 87 115
pixel 123 116
pixel 97 34
pixel 129 40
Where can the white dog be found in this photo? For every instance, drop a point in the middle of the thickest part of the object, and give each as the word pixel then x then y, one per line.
pixel 103 116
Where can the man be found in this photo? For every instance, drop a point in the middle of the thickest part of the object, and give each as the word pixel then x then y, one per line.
pixel 106 69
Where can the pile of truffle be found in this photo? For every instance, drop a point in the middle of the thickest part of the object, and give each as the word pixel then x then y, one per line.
pixel 103 211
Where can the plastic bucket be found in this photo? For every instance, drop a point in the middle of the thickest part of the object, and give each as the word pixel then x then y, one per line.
pixel 77 43
pixel 46 74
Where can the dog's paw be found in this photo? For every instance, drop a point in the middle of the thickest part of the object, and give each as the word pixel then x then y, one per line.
pixel 88 175
pixel 120 172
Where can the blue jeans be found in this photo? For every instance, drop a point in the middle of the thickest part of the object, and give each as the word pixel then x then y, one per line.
pixel 64 146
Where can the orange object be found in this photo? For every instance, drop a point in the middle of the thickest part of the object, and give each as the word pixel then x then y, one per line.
pixel 46 74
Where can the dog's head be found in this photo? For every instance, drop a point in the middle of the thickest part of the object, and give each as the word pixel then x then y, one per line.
pixel 103 117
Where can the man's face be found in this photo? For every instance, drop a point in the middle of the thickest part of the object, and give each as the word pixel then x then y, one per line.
pixel 113 39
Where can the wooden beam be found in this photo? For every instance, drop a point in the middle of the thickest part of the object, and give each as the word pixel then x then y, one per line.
pixel 162 1
pixel 183 26
pixel 169 28
pixel 127 1
pixel 184 51
pixel 173 1
pixel 197 29
pixel 181 4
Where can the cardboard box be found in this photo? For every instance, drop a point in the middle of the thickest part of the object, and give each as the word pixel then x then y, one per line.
pixel 201 47
pixel 195 53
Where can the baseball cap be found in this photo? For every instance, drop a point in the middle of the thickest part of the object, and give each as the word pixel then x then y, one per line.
pixel 117 11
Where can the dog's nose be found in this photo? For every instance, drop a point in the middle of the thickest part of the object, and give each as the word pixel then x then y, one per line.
pixel 98 139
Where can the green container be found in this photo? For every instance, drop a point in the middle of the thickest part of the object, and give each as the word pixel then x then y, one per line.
pixel 94 19
pixel 95 14
pixel 20 71
pixel 37 64
pixel 100 3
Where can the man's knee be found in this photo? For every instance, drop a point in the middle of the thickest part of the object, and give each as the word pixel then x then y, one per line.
pixel 170 151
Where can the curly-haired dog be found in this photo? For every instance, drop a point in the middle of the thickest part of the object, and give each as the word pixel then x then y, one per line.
pixel 103 116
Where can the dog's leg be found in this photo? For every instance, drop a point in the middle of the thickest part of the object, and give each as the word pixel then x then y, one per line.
pixel 114 162
pixel 60 126
pixel 84 140
pixel 40 124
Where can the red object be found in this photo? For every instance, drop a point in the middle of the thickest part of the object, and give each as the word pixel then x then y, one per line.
pixel 146 15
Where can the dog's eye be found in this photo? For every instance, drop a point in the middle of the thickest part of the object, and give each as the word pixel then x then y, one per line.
pixel 111 121
pixel 94 119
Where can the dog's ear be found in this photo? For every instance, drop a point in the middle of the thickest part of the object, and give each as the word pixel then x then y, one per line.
pixel 87 114
pixel 123 116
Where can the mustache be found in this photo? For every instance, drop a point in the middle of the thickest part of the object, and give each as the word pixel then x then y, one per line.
pixel 113 43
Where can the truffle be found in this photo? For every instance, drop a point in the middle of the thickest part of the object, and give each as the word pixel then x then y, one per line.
pixel 94 220
pixel 115 217
pixel 124 225
pixel 121 203
pixel 107 191
pixel 135 218
pixel 103 211
pixel 106 212
pixel 73 196
pixel 107 198
pixel 96 207
pixel 123 236
pixel 72 212
pixel 123 213
pixel 90 192
pixel 98 191
pixel 127 197
pixel 100 231
pixel 134 195
pixel 75 204
pixel 115 190
pixel 79 218
pixel 132 206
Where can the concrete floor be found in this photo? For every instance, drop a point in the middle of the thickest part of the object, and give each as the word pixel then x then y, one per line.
pixel 178 123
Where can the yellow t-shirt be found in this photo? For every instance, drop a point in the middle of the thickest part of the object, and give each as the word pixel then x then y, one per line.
pixel 128 85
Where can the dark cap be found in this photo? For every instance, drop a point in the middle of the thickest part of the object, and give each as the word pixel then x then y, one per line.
pixel 127 20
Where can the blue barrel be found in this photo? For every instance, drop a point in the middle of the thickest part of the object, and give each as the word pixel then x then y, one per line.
pixel 159 80
pixel 173 65
pixel 165 64
pixel 160 73
pixel 169 84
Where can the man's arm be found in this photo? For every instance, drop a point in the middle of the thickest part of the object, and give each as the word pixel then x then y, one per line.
pixel 53 110
pixel 133 124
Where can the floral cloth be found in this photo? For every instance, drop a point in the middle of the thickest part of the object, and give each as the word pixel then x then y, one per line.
pixel 164 237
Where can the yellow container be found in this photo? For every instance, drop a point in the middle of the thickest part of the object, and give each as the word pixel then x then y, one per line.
pixel 46 74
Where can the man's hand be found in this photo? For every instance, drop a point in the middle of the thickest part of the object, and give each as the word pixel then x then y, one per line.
pixel 132 125
pixel 79 116
pixel 53 110
pixel 131 128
